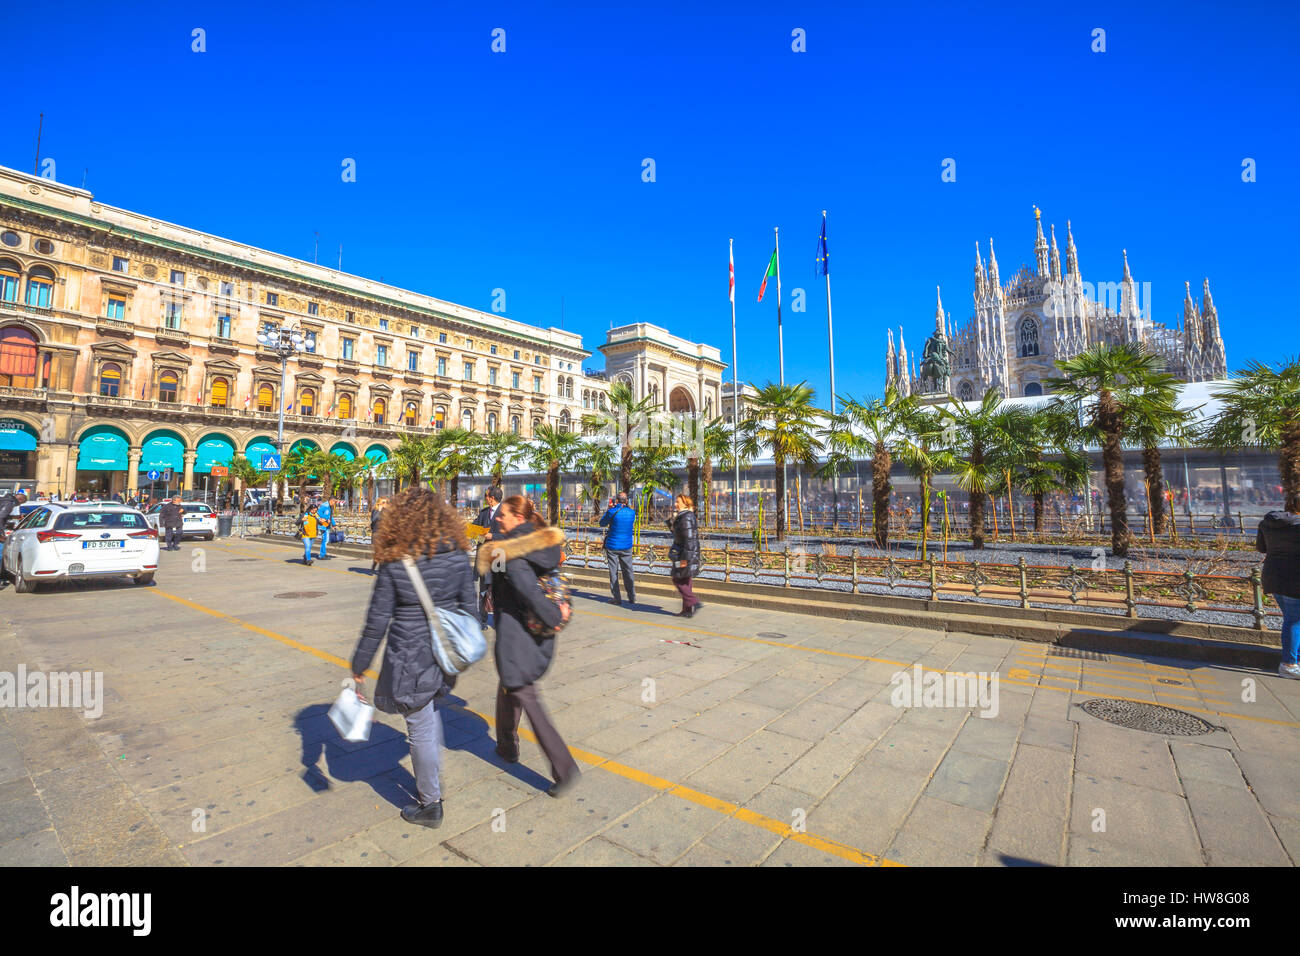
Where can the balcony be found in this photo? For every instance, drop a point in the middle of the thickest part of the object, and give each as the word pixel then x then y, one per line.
pixel 223 345
pixel 118 327
pixel 349 365
pixel 165 336
pixel 413 377
pixel 381 371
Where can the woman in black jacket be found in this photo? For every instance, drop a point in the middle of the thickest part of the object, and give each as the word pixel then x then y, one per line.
pixel 685 553
pixel 376 515
pixel 424 527
pixel 526 550
pixel 1279 538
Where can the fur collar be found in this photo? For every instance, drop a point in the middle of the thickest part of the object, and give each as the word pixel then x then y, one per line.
pixel 510 548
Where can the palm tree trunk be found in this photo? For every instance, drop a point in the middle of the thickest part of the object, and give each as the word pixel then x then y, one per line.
pixel 1112 455
pixel 707 468
pixel 880 495
pixel 1011 506
pixel 1289 467
pixel 552 491
pixel 780 497
pixel 1038 512
pixel 454 491
pixel 976 503
pixel 1155 487
pixel 693 480
pixel 927 495
pixel 625 470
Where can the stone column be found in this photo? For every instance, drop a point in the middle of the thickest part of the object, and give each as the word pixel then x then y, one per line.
pixel 190 456
pixel 133 467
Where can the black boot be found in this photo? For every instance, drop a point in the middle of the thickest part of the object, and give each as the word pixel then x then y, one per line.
pixel 429 815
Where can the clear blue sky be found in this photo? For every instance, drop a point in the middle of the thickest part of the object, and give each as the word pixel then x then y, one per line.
pixel 523 170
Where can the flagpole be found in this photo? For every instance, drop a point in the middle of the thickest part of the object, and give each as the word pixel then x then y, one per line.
pixel 735 379
pixel 830 328
pixel 780 351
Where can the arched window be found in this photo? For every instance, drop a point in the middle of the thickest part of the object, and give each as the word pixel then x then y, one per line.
pixel 168 386
pixel 564 421
pixel 40 287
pixel 966 392
pixel 586 399
pixel 491 422
pixel 602 399
pixel 110 379
pixel 9 275
pixel 514 424
pixel 568 388
pixel 265 398
pixel 439 417
pixel 379 411
pixel 559 387
pixel 412 416
pixel 467 420
pixel 345 406
pixel 307 402
pixel 17 357
pixel 1033 388
pixel 218 395
pixel 537 423
pixel 1028 337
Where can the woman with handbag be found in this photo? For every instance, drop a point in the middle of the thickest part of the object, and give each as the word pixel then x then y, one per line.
pixel 527 619
pixel 423 527
pixel 684 555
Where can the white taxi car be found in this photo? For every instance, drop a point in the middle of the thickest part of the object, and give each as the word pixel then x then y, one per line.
pixel 84 540
pixel 199 520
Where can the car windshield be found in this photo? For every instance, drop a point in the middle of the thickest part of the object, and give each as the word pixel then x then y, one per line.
pixel 90 520
pixel 201 509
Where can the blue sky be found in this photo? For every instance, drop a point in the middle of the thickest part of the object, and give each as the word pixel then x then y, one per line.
pixel 523 170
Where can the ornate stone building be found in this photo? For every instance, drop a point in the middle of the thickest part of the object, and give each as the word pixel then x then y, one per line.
pixel 128 345
pixel 679 375
pixel 1020 328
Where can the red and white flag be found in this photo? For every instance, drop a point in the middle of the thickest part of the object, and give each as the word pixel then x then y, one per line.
pixel 731 274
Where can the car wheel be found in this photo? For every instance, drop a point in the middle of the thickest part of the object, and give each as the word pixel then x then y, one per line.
pixel 144 577
pixel 21 584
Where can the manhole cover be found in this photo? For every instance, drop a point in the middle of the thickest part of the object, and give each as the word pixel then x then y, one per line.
pixel 292 595
pixel 1151 718
pixel 1056 650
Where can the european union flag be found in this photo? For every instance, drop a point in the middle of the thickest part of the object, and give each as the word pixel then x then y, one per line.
pixel 823 254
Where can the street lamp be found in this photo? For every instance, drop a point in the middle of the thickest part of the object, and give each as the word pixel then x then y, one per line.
pixel 284 341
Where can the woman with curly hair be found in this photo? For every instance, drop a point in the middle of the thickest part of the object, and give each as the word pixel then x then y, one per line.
pixel 420 525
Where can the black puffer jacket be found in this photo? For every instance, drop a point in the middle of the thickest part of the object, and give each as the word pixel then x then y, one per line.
pixel 686 544
pixel 1279 538
pixel 526 553
pixel 411 677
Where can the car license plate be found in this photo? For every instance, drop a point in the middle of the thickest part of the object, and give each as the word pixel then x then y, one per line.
pixel 103 544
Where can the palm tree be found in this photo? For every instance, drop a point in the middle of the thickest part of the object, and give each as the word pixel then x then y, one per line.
pixel 1053 461
pixel 652 468
pixel 876 428
pixel 449 455
pixel 625 415
pixel 1261 408
pixel 1101 386
pixel 408 459
pixel 782 420
pixel 1152 419
pixel 921 451
pixel 496 453
pixel 553 451
pixel 299 467
pixel 596 459
pixel 245 473
pixel 717 446
pixel 839 444
pixel 330 467
pixel 974 433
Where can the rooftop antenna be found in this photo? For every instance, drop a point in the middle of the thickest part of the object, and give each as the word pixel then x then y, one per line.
pixel 315 256
pixel 340 257
pixel 36 166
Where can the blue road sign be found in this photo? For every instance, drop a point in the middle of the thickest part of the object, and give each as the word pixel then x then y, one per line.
pixel 270 462
pixel 153 475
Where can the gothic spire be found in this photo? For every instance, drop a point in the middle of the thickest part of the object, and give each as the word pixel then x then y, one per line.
pixel 938 311
pixel 979 272
pixel 1071 254
pixel 1056 257
pixel 1191 322
pixel 1040 244
pixel 994 280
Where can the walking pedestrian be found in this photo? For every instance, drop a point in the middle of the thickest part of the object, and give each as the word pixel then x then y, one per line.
pixel 325 516
pixel 619 519
pixel 423 527
pixel 486 519
pixel 170 517
pixel 684 555
pixel 376 513
pixel 526 549
pixel 1279 538
pixel 308 529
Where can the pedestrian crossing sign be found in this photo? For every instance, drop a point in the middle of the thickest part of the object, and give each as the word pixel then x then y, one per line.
pixel 270 462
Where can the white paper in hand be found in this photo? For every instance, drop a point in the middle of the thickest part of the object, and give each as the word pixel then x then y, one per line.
pixel 352 716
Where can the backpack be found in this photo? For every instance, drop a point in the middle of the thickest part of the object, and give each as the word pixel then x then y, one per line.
pixel 555 587
pixel 457 637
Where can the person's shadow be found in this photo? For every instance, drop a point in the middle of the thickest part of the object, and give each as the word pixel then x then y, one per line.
pixel 377 761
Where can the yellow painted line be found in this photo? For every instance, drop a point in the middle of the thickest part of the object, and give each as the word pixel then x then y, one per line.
pixel 723 807
pixel 1149 682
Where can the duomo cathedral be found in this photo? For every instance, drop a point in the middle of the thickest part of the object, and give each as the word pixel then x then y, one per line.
pixel 1021 327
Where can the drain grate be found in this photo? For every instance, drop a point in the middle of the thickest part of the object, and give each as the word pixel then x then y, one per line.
pixel 1056 650
pixel 293 595
pixel 772 634
pixel 1151 718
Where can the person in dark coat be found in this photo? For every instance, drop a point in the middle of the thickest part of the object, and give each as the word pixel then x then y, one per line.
pixel 684 555
pixel 8 503
pixel 422 526
pixel 527 548
pixel 1279 538
pixel 487 519
pixel 170 518
pixel 376 514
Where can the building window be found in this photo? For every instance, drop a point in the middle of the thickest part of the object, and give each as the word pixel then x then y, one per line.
pixel 442 366
pixel 537 383
pixel 110 379
pixel 442 336
pixel 492 376
pixel 265 398
pixel 514 424
pixel 537 360
pixel 383 323
pixel 168 386
pixel 349 317
pixel 381 355
pixel 313 308
pixel 273 298
pixel 491 422
pixel 40 288
pixel 307 402
pixel 586 399
pixel 514 379
pixel 469 371
pixel 228 289
pixel 9 274
pixel 469 344
pixel 18 357
pixel 602 399
pixel 177 277
pixel 43 246
pixel 493 350
pixel 537 423
pixel 348 345
pixel 467 420
pixel 966 392
pixel 121 264
pixel 1028 337
pixel 345 406
pixel 219 394
pixel 223 326
pixel 379 411
pixel 439 417
pixel 568 388
pixel 412 361
pixel 116 309
pixel 564 421
pixel 516 355
pixel 174 315
pixel 1033 388
pixel 415 331
pixel 412 413
pixel 309 341
pixel 559 388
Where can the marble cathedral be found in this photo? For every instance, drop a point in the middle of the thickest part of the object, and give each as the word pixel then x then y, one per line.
pixel 1021 327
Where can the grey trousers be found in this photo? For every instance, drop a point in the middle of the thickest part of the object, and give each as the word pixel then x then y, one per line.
pixel 617 560
pixel 511 705
pixel 424 731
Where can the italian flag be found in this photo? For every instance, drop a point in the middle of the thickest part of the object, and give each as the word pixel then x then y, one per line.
pixel 771 271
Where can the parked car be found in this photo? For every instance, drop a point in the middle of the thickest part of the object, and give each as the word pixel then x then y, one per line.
pixel 200 521
pixel 83 540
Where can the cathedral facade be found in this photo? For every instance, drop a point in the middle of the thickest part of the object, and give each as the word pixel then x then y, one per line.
pixel 1020 328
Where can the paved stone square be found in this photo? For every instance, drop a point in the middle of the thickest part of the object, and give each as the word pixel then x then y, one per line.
pixel 737 738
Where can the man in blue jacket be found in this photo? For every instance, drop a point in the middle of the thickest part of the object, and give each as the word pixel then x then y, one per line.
pixel 325 518
pixel 619 520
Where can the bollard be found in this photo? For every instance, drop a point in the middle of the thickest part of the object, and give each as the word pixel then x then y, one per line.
pixel 1024 584
pixel 726 559
pixel 787 565
pixel 934 588
pixel 854 565
pixel 1129 601
pixel 1258 589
